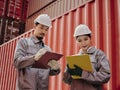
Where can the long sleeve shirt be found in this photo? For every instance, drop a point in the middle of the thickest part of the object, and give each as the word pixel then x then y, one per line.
pixel 31 78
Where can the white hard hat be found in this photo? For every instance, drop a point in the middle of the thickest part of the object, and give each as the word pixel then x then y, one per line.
pixel 43 19
pixel 82 29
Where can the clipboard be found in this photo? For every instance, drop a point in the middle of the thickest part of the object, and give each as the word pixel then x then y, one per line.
pixel 82 61
pixel 44 59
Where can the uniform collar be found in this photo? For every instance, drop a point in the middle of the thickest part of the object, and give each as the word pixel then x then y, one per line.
pixel 89 51
pixel 34 39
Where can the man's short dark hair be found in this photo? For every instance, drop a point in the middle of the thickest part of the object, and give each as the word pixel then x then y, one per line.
pixel 36 23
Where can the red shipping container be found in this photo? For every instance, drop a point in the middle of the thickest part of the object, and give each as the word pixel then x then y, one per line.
pixel 16 9
pixel 2 6
pixel 102 16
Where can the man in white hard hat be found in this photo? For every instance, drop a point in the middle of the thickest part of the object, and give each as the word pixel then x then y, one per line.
pixel 28 51
pixel 101 68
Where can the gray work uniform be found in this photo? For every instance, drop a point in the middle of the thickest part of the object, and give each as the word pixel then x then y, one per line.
pixel 31 78
pixel 91 80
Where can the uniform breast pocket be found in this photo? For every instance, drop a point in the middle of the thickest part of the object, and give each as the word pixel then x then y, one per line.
pixel 94 63
pixel 32 50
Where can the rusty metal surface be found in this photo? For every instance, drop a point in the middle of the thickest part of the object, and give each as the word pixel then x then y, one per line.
pixel 52 7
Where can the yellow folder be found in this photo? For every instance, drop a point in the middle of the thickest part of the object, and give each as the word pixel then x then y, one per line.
pixel 82 61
